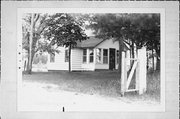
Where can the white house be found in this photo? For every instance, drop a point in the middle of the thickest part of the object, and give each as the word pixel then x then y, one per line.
pixel 89 55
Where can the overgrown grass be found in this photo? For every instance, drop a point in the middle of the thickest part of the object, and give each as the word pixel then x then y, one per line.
pixel 153 88
pixel 104 83
pixel 153 84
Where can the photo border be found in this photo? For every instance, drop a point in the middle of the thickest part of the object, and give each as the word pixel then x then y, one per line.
pixel 138 108
pixel 9 68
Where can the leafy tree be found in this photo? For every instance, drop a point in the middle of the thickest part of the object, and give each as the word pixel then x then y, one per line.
pixel 152 36
pixel 33 27
pixel 65 30
pixel 134 29
pixel 146 32
pixel 111 26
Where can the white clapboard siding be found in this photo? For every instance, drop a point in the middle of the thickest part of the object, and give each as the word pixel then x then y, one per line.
pixel 88 67
pixel 59 63
pixel 102 66
pixel 76 59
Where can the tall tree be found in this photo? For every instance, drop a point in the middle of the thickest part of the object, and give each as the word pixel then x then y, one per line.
pixel 30 43
pixel 135 29
pixel 149 35
pixel 65 30
pixel 33 27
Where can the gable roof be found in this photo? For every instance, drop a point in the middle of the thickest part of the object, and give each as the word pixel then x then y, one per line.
pixel 91 42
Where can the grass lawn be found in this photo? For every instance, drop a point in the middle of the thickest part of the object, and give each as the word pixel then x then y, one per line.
pixel 102 83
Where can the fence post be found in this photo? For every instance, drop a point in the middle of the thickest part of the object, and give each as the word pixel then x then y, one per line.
pixel 142 70
pixel 137 75
pixel 123 74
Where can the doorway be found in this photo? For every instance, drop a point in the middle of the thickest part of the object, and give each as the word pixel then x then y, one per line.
pixel 112 58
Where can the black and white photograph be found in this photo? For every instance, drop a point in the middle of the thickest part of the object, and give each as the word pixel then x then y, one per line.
pixel 90 61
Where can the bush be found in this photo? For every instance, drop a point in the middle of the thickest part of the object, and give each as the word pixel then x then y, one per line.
pixel 38 58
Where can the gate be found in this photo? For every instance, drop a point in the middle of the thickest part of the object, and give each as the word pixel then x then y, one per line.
pixel 137 73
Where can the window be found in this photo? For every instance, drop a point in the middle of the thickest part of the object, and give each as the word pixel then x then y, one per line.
pixel 52 58
pixel 84 55
pixel 91 55
pixel 98 55
pixel 66 55
pixel 105 56
pixel 117 56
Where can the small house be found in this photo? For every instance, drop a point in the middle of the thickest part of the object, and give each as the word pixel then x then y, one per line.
pixel 89 55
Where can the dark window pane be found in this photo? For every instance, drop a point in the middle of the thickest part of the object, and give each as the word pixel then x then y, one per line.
pixel 91 59
pixel 105 52
pixel 84 55
pixel 105 60
pixel 84 59
pixel 105 56
pixel 84 52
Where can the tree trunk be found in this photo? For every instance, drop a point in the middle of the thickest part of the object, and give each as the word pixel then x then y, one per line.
pixel 27 67
pixel 120 55
pixel 30 62
pixel 70 58
pixel 158 58
pixel 158 64
pixel 132 48
pixel 147 61
pixel 152 59
pixel 30 44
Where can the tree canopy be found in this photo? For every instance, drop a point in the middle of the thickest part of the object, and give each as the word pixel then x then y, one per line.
pixel 64 30
pixel 59 29
pixel 140 30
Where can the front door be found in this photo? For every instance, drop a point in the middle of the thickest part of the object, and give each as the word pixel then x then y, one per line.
pixel 112 58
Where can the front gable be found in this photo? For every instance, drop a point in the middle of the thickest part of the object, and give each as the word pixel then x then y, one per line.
pixel 109 43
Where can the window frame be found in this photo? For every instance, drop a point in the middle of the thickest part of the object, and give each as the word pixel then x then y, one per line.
pixel 91 56
pixel 105 57
pixel 99 56
pixel 84 55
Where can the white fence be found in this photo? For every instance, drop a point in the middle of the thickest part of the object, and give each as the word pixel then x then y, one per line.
pixel 137 70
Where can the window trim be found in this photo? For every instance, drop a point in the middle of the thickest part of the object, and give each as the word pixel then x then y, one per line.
pixel 105 56
pixel 100 55
pixel 84 55
pixel 91 55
